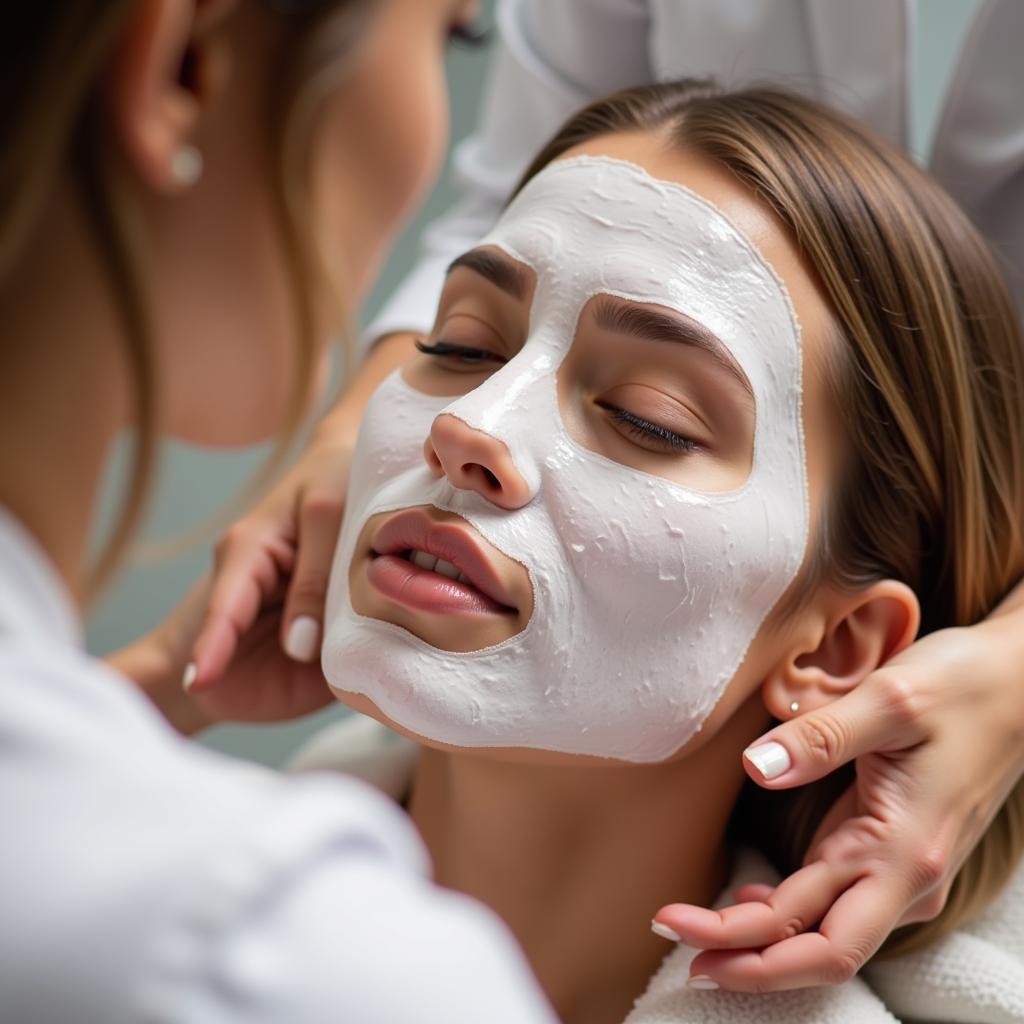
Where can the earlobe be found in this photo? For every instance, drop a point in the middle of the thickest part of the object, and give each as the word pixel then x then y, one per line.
pixel 848 635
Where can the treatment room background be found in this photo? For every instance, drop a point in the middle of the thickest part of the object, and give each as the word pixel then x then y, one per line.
pixel 195 484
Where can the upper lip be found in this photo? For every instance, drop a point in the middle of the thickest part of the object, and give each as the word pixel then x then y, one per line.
pixel 415 530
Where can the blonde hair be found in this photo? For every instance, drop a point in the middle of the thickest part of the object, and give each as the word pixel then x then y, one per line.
pixel 53 57
pixel 929 383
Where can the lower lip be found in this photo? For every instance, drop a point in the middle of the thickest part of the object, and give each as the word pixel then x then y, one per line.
pixel 426 591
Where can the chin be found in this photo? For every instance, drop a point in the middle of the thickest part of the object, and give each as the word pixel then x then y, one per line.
pixel 365 706
pixel 516 755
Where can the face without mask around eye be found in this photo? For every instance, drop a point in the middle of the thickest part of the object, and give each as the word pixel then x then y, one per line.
pixel 648 579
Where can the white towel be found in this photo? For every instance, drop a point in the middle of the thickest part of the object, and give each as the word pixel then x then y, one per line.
pixel 973 976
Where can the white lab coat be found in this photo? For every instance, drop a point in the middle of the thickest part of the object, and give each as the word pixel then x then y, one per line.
pixel 143 879
pixel 553 56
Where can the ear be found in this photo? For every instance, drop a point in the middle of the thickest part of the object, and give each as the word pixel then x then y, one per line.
pixel 841 641
pixel 168 66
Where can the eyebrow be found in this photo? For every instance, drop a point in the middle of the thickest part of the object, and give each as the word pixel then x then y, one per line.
pixel 651 325
pixel 501 272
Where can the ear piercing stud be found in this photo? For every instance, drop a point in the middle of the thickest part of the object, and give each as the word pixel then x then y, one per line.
pixel 187 166
pixel 794 706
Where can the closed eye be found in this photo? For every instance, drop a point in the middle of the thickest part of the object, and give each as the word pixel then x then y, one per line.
pixel 463 356
pixel 649 434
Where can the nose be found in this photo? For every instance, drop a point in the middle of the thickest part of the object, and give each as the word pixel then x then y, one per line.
pixel 475 461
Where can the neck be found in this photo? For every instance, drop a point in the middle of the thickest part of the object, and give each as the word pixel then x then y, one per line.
pixel 577 856
pixel 60 387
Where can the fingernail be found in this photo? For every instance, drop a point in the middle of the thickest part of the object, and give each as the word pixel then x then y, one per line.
pixel 702 981
pixel 664 931
pixel 189 676
pixel 770 759
pixel 303 634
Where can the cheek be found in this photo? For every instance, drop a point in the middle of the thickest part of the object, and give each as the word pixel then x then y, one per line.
pixel 223 313
pixel 411 116
pixel 383 141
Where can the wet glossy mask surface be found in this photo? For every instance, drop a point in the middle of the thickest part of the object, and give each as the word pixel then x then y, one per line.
pixel 647 594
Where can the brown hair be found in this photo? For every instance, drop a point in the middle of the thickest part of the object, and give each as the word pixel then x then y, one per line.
pixel 52 58
pixel 928 383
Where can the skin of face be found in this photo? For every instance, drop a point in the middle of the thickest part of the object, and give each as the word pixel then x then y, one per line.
pixel 681 388
pixel 215 271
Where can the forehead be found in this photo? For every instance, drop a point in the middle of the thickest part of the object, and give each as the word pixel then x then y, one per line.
pixel 664 160
pixel 590 225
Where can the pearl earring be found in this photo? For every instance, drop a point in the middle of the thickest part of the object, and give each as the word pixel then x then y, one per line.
pixel 187 166
pixel 794 706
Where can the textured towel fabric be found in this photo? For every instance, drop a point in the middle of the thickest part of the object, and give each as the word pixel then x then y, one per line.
pixel 974 976
pixel 668 1000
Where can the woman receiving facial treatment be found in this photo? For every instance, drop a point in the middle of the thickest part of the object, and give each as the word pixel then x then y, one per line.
pixel 723 414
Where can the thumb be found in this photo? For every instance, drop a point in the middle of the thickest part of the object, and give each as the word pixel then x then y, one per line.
pixel 878 715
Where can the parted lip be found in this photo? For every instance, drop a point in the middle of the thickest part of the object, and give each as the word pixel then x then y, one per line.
pixel 416 530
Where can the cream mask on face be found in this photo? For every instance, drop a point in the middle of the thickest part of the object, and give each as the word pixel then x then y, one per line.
pixel 647 594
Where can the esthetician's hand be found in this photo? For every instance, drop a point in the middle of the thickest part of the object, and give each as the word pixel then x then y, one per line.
pixel 261 683
pixel 937 738
pixel 286 544
pixel 284 547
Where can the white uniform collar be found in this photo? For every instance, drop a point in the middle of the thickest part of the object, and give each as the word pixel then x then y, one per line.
pixel 35 604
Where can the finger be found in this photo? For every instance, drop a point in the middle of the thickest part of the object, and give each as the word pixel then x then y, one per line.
pixel 882 714
pixel 849 935
pixel 755 892
pixel 927 907
pixel 795 905
pixel 841 833
pixel 302 623
pixel 247 574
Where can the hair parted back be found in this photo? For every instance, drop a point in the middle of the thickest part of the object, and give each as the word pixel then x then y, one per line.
pixel 928 381
pixel 52 61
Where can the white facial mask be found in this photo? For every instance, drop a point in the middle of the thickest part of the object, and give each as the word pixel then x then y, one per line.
pixel 646 594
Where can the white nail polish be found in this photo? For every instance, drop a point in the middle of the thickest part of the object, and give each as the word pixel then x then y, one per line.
pixel 702 981
pixel 770 759
pixel 301 642
pixel 189 676
pixel 664 931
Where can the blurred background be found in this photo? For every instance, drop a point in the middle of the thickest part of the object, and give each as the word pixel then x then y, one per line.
pixel 194 484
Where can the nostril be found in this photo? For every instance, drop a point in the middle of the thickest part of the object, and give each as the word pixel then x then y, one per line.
pixel 474 469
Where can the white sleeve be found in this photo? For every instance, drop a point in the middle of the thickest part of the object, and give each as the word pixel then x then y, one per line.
pixel 363 944
pixel 550 59
pixel 979 146
pixel 320 912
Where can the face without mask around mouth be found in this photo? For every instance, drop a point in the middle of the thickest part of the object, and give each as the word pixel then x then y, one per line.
pixel 645 593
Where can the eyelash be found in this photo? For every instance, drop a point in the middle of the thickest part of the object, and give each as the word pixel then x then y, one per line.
pixel 636 425
pixel 473 36
pixel 649 431
pixel 470 356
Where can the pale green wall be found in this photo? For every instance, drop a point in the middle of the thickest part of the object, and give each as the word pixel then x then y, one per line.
pixel 194 483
